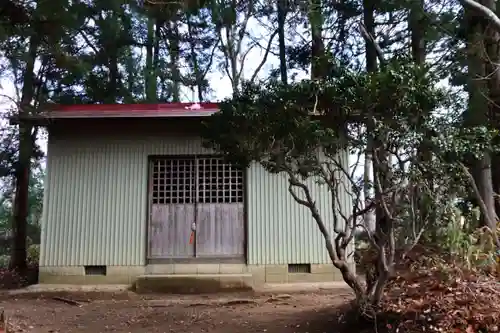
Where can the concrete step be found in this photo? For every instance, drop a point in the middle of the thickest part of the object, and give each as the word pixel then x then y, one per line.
pixel 193 283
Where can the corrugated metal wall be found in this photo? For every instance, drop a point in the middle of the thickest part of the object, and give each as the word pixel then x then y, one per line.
pixel 282 231
pixel 95 207
pixel 96 202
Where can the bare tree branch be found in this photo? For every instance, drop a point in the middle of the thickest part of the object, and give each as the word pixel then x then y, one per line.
pixel 371 39
pixel 266 54
pixel 485 11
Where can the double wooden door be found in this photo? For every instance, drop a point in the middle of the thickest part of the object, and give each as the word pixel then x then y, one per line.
pixel 196 208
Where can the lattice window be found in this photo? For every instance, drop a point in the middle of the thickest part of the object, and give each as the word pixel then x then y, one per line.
pixel 219 181
pixel 173 181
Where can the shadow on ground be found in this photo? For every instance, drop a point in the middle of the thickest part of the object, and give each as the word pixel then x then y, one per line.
pixel 319 312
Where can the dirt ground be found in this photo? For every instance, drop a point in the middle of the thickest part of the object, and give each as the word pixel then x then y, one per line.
pixel 312 312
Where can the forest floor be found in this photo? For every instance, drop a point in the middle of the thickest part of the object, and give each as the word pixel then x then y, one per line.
pixel 311 312
pixel 428 293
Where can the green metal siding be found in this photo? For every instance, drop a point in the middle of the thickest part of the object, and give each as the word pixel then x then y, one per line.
pixel 95 207
pixel 282 231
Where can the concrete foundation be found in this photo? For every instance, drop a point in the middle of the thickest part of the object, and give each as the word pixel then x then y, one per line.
pixel 190 277
pixel 193 283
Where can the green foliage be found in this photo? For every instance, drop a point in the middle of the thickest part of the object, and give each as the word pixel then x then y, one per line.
pixel 467 244
pixel 35 200
pixel 455 236
pixel 33 254
pixel 274 123
pixel 4 261
pixel 33 257
pixel 283 127
pixel 301 129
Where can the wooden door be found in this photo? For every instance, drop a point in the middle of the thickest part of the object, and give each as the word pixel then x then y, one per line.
pixel 172 210
pixel 196 209
pixel 220 214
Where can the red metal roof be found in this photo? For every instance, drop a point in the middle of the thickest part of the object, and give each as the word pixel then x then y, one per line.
pixel 163 110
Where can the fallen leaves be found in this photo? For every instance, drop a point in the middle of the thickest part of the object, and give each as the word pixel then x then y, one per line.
pixel 442 298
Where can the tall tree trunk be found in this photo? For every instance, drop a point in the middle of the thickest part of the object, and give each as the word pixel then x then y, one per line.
pixel 233 59
pixel 417 32
pixel 156 59
pixel 371 66
pixel 282 11
pixel 369 21
pixel 380 164
pixel 131 75
pixel 495 177
pixel 479 109
pixel 198 75
pixel 418 51
pixel 114 75
pixel 23 168
pixel 318 47
pixel 150 77
pixel 492 37
pixel 112 49
pixel 174 53
pixel 494 116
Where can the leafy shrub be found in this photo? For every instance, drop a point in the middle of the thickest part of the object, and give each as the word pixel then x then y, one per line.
pixel 455 236
pixel 472 247
pixel 4 261
pixel 11 279
pixel 33 254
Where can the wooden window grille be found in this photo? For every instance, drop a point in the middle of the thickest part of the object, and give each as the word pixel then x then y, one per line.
pixel 173 181
pixel 219 181
pixel 207 180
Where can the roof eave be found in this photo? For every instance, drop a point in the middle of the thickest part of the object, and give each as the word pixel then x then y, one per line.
pixel 44 119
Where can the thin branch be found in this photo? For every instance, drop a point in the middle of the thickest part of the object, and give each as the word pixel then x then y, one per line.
pixel 243 58
pixel 226 52
pixel 87 40
pixel 243 28
pixel 337 254
pixel 210 61
pixel 266 54
pixel 370 39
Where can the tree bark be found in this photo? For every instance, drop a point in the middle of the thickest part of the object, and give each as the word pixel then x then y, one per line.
pixel 417 32
pixel 480 107
pixel 318 56
pixel 494 115
pixel 371 66
pixel 282 11
pixel 489 13
pixel 150 78
pixel 418 50
pixel 174 53
pixel 492 38
pixel 23 168
pixel 198 75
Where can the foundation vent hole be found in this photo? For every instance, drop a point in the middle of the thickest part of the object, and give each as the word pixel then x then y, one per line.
pixel 95 270
pixel 299 268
